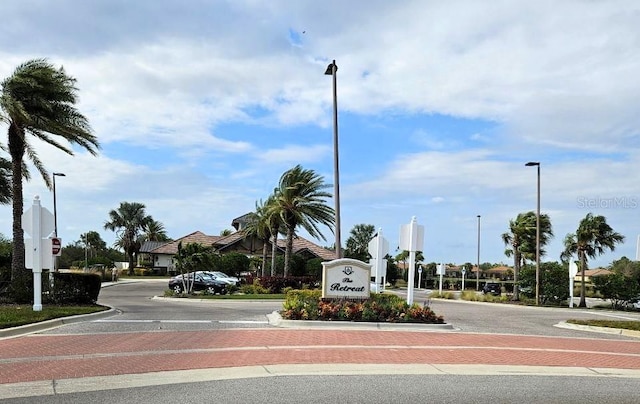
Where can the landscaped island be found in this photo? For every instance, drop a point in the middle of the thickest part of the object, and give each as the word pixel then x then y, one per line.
pixel 309 305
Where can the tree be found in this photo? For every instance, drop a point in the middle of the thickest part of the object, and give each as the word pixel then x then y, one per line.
pixel 5 181
pixel 592 238
pixel 358 242
pixel 155 231
pixel 554 279
pixel 235 263
pixel 129 220
pixel 38 100
pixel 618 288
pixel 300 201
pixel 226 232
pixel 521 240
pixel 259 227
pixel 190 258
pixel 93 239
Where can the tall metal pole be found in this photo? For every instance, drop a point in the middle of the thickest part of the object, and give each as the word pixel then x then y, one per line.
pixel 478 258
pixel 55 217
pixel 332 69
pixel 538 243
pixel 537 164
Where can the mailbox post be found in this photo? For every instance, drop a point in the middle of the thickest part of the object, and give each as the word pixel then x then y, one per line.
pixel 38 223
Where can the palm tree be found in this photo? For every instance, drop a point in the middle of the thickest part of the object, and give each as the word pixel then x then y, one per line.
pixel 521 238
pixel 5 181
pixel 38 100
pixel 155 231
pixel 300 201
pixel 592 238
pixel 129 220
pixel 358 242
pixel 276 227
pixel 259 226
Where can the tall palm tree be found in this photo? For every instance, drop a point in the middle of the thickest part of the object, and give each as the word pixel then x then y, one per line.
pixel 592 238
pixel 521 240
pixel 129 220
pixel 300 200
pixel 38 100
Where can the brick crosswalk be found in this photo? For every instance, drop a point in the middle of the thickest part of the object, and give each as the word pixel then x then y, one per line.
pixel 48 357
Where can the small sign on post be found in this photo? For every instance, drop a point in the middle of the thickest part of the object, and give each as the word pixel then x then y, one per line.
pixel 56 246
pixel 573 271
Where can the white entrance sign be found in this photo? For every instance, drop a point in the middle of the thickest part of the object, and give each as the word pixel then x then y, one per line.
pixel 346 278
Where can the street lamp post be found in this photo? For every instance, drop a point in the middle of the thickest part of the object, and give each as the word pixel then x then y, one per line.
pixel 537 164
pixel 478 258
pixel 332 69
pixel 55 212
pixel 55 219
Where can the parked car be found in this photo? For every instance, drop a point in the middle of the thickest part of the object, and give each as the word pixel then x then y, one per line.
pixel 493 288
pixel 229 280
pixel 201 282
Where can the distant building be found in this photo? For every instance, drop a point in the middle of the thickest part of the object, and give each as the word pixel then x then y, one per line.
pixel 160 254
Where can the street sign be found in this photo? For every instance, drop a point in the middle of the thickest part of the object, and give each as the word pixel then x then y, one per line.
pixel 46 221
pixel 56 246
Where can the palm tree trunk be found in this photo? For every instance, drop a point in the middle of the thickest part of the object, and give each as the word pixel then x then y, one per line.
pixel 516 270
pixel 19 276
pixel 274 249
pixel 583 298
pixel 264 257
pixel 288 250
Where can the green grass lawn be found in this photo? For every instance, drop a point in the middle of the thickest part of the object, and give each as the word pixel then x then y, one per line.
pixel 13 315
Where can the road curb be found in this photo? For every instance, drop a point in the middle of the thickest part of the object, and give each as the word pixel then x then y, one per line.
pixel 602 330
pixel 276 320
pixel 56 322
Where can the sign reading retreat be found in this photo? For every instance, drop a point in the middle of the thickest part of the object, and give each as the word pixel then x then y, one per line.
pixel 346 277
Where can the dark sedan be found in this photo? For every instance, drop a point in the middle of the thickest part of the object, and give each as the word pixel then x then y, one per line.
pixel 201 282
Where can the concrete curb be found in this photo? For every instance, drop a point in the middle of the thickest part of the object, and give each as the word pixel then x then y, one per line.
pixel 275 319
pixel 53 323
pixel 602 330
pixel 105 383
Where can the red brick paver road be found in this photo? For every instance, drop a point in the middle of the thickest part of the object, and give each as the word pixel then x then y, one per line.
pixel 48 357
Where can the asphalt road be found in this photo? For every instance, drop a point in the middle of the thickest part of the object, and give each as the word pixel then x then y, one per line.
pixel 141 312
pixel 370 389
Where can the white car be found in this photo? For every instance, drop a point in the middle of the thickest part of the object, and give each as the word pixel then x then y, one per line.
pixel 230 280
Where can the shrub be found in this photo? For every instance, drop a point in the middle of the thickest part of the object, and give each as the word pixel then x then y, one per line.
pixel 254 288
pixel 74 288
pixel 443 295
pixel 308 305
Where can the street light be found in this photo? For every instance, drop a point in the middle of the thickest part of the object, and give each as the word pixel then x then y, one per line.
pixel 55 217
pixel 331 71
pixel 478 261
pixel 537 164
pixel 55 212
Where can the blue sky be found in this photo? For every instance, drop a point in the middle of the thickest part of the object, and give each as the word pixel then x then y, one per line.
pixel 200 106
